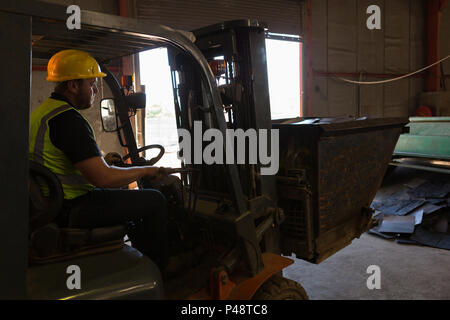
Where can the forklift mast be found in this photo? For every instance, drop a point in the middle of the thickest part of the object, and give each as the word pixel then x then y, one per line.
pixel 241 43
pixel 243 203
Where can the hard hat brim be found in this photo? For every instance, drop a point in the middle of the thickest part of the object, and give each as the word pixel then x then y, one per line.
pixel 72 77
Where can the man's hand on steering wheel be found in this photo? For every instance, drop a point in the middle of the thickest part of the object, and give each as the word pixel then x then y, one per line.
pixel 157 173
pixel 113 159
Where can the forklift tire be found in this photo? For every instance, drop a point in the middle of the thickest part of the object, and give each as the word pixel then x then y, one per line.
pixel 280 288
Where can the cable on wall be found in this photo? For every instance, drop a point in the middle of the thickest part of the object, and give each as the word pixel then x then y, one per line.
pixel 394 79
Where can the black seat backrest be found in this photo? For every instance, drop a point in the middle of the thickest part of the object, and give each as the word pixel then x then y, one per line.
pixel 44 208
pixel 49 242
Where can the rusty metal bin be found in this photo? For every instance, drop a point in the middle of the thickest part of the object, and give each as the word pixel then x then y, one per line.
pixel 330 171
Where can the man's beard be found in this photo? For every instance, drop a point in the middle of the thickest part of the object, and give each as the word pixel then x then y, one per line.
pixel 83 105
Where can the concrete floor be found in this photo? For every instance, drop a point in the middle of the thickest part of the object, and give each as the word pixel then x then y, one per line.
pixel 407 272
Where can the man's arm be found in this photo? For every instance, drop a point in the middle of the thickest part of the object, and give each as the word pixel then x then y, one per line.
pixel 100 174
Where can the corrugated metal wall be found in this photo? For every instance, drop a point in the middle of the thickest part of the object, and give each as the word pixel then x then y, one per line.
pixel 103 6
pixel 341 43
pixel 282 16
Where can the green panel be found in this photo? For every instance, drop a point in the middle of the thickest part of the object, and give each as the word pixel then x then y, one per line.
pixel 430 129
pixel 428 137
pixel 430 126
pixel 423 146
pixel 429 119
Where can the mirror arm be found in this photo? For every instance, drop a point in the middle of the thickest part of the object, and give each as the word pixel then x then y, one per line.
pixel 114 85
pixel 120 138
pixel 119 130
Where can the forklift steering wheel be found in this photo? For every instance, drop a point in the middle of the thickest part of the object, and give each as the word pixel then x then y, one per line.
pixel 152 146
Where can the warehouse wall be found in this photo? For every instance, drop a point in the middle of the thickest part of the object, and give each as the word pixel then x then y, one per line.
pixel 341 43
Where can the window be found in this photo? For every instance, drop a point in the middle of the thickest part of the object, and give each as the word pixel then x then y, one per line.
pixel 284 75
pixel 160 123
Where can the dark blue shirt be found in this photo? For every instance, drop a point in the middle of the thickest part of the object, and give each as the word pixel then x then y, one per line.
pixel 72 134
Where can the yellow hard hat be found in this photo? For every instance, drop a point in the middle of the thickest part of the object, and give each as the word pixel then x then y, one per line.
pixel 72 64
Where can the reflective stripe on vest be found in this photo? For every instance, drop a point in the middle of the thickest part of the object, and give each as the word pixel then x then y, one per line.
pixel 39 142
pixel 74 184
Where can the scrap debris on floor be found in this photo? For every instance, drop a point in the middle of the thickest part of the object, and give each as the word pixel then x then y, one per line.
pixel 413 207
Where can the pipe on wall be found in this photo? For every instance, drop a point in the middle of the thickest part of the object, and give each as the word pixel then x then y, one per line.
pixel 434 16
pixel 123 8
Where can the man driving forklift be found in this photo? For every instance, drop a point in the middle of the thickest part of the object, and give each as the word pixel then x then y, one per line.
pixel 62 140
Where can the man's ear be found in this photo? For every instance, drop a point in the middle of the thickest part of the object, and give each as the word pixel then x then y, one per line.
pixel 73 86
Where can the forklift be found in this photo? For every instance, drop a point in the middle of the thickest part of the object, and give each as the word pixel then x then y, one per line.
pixel 231 228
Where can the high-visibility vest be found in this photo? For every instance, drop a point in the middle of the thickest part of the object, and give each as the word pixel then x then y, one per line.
pixel 43 151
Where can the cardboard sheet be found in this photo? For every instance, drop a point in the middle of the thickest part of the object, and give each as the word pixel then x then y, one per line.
pixel 397 224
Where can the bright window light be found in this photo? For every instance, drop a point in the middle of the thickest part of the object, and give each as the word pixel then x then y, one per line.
pixel 160 123
pixel 283 67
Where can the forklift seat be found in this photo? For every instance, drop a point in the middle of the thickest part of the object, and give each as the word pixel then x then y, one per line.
pixel 47 241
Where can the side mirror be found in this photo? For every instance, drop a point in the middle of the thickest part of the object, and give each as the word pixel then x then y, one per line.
pixel 108 113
